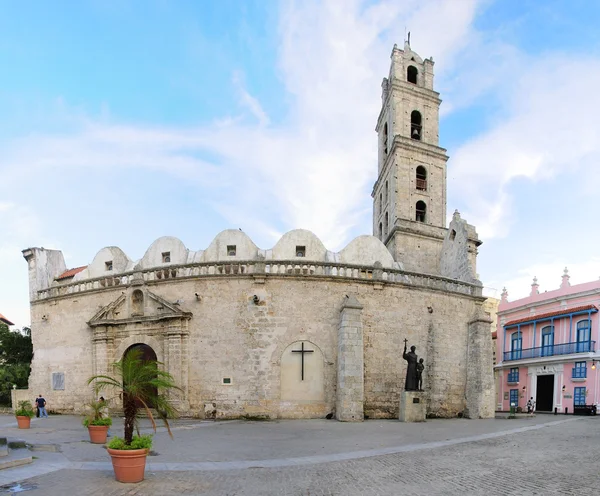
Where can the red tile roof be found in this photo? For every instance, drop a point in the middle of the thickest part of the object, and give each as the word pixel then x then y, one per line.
pixel 5 320
pixel 70 273
pixel 566 311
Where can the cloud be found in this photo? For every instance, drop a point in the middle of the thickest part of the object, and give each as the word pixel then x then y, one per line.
pixel 549 126
pixel 314 170
pixel 549 276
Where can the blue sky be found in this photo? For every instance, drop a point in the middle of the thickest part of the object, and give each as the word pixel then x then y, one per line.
pixel 123 121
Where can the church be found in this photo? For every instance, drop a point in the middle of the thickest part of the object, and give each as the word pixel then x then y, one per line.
pixel 295 330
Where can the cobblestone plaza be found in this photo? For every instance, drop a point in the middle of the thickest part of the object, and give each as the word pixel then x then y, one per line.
pixel 541 455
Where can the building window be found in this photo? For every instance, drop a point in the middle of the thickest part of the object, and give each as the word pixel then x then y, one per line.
pixel 415 125
pixel 386 225
pixel 547 341
pixel 421 210
pixel 513 375
pixel 381 231
pixel 166 257
pixel 579 396
pixel 385 138
pixel 516 343
pixel 231 250
pixel 380 203
pixel 300 251
pixel 411 74
pixel 386 192
pixel 58 381
pixel 227 380
pixel 580 370
pixel 514 397
pixel 108 265
pixel 583 336
pixel 422 178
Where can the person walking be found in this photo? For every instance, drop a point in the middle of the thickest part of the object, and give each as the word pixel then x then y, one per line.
pixel 41 404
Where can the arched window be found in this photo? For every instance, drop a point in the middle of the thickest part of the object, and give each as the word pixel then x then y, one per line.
pixel 421 211
pixel 381 231
pixel 415 125
pixel 411 74
pixel 380 203
pixel 386 225
pixel 137 303
pixel 386 192
pixel 548 341
pixel 422 178
pixel 385 138
pixel 583 336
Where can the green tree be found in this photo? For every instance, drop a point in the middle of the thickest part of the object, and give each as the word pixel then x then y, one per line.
pixel 16 352
pixel 15 346
pixel 141 384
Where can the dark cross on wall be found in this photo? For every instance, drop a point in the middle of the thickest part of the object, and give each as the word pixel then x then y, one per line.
pixel 302 352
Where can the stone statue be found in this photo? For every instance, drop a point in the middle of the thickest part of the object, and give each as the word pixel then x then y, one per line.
pixel 411 371
pixel 420 368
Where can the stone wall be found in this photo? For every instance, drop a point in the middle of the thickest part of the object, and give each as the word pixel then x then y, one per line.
pixel 233 335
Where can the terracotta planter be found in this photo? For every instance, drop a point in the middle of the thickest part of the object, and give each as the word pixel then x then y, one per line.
pixel 129 465
pixel 98 433
pixel 24 422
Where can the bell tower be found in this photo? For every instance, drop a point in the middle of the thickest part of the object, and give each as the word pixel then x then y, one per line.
pixel 409 196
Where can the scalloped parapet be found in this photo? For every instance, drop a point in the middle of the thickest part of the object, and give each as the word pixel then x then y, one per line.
pixel 233 253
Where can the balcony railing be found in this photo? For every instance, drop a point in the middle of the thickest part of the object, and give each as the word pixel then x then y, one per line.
pixel 513 377
pixel 579 373
pixel 422 184
pixel 552 350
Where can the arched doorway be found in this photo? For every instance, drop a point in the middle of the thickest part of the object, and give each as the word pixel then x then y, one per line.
pixel 147 355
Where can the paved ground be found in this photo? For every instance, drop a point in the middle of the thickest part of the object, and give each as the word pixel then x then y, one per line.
pixel 549 455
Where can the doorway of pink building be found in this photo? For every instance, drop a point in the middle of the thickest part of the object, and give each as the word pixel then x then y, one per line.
pixel 545 393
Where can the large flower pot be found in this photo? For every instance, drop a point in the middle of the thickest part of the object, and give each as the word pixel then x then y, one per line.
pixel 98 433
pixel 129 465
pixel 24 422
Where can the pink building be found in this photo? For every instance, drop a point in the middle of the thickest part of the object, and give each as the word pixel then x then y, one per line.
pixel 546 348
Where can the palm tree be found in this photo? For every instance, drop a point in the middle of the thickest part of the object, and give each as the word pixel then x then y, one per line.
pixel 139 382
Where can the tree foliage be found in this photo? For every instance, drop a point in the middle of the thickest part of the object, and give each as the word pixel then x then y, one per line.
pixel 139 382
pixel 15 346
pixel 16 352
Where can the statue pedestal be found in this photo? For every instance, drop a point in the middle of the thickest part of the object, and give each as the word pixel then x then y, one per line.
pixel 413 407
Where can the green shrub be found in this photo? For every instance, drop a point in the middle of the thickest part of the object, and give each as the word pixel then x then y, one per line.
pixel 97 414
pixel 25 409
pixel 138 442
pixel 101 421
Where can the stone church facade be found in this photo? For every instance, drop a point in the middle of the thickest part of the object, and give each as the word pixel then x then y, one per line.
pixel 295 331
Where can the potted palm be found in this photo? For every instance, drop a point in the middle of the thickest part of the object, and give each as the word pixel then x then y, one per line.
pixel 97 421
pixel 141 385
pixel 24 414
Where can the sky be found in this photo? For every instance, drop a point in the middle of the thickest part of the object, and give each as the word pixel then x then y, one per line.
pixel 124 121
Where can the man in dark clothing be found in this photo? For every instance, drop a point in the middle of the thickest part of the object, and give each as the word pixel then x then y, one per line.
pixel 41 404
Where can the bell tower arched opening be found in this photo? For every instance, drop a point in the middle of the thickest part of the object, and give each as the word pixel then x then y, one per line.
pixel 415 125
pixel 412 74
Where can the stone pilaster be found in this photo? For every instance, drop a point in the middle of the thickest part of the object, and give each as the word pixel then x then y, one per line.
pixel 173 364
pixel 480 375
pixel 350 361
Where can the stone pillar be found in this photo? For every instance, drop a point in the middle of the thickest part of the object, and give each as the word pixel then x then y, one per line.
pixel 100 351
pixel 350 363
pixel 173 363
pixel 479 389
